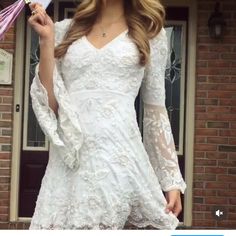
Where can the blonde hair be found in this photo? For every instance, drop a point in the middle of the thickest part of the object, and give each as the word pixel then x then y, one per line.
pixel 144 18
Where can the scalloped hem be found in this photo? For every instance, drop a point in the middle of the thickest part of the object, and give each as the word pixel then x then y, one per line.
pixel 150 223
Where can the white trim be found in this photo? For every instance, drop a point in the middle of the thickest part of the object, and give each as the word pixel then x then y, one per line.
pixel 24 219
pixel 17 118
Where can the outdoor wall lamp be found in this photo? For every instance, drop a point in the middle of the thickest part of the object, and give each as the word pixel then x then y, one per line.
pixel 216 23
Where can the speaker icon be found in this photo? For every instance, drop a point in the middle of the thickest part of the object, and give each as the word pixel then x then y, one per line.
pixel 219 213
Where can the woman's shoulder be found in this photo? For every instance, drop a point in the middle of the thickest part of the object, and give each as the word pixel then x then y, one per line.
pixel 63 23
pixel 159 42
pixel 61 28
pixel 159 37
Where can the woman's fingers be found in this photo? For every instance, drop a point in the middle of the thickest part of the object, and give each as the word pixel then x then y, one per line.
pixel 170 205
pixel 39 18
pixel 39 14
pixel 36 7
pixel 177 208
pixel 32 6
pixel 174 202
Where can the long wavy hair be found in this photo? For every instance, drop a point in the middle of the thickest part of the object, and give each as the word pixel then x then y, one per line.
pixel 144 18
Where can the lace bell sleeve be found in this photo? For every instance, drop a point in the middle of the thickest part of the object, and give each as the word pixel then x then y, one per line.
pixel 63 131
pixel 157 134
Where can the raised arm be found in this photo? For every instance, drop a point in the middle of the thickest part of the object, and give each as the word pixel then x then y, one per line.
pixel 62 129
pixel 44 26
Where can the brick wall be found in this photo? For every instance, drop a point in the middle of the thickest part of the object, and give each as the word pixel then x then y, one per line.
pixel 215 132
pixel 6 100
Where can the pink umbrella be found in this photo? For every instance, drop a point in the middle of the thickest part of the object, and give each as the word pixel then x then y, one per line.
pixel 9 14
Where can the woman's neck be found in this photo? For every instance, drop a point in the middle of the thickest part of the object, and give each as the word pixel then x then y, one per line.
pixel 111 10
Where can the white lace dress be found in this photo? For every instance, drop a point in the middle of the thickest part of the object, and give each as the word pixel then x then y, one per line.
pixel 100 173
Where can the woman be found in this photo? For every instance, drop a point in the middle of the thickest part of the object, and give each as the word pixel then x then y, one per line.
pixel 100 174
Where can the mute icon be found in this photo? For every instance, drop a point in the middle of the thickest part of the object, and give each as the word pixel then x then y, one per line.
pixel 219 213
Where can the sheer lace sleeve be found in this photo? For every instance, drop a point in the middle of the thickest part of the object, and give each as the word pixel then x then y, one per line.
pixel 157 133
pixel 63 131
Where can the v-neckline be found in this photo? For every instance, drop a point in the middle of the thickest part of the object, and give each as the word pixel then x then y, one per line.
pixel 107 44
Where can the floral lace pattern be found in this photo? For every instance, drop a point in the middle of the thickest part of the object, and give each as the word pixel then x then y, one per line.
pixel 100 174
pixel 157 136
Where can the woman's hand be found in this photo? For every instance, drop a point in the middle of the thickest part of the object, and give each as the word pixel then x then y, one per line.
pixel 41 22
pixel 173 202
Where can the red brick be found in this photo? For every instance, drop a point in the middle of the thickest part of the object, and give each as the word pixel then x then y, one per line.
pixel 228 56
pixel 200 109
pixel 219 79
pixel 232 201
pixel 199 169
pixel 228 102
pixel 216 185
pixel 226 117
pixel 6 108
pixel 216 200
pixel 4 195
pixel 201 79
pixel 7 116
pixel 7 100
pixel 5 123
pixel 198 184
pixel 204 223
pixel 198 154
pixel 219 63
pixel 5 172
pixel 205 147
pixel 226 178
pixel 5 179
pixel 206 116
pixel 3 218
pixel 225 132
pixel 221 94
pixel 207 132
pixel 216 155
pixel 204 86
pixel 232 185
pixel 229 224
pixel 4 210
pixel 198 215
pixel 218 109
pixel 5 139
pixel 228 87
pixel 226 163
pixel 232 141
pixel 204 162
pixel 5 163
pixel 6 92
pixel 4 187
pixel 201 94
pixel 232 171
pixel 217 140
pixel 215 170
pixel 205 177
pixel 5 156
pixel 200 124
pixel 226 193
pixel 219 48
pixel 206 101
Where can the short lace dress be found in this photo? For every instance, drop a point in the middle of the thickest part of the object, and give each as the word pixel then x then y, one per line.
pixel 101 172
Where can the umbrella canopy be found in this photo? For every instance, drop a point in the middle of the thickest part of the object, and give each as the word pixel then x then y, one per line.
pixel 9 14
